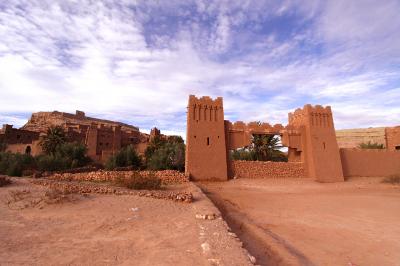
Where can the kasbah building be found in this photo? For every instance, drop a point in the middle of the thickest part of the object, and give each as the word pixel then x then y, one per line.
pixel 315 149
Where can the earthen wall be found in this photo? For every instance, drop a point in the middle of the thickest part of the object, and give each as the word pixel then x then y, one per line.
pixel 393 138
pixel 373 162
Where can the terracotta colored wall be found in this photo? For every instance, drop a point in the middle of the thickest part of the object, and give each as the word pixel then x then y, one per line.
pixel 393 138
pixel 36 149
pixel 257 169
pixel 205 139
pixel 320 151
pixel 357 162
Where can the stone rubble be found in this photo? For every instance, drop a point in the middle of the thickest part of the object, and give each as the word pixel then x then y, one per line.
pixel 86 188
pixel 166 176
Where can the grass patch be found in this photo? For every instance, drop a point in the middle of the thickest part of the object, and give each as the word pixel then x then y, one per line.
pixel 393 179
pixel 139 181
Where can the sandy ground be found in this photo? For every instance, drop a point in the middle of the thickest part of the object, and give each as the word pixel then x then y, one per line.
pixel 356 222
pixel 105 230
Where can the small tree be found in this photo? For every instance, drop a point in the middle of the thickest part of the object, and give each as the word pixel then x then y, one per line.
pixel 127 156
pixel 264 146
pixel 162 154
pixel 3 146
pixel 370 145
pixel 54 138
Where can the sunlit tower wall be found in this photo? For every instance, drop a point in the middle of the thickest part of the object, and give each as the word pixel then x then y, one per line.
pixel 205 139
pixel 320 151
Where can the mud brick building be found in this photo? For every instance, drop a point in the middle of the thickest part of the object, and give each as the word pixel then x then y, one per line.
pixel 102 137
pixel 310 137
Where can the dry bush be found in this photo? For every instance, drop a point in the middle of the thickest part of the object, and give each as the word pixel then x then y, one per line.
pixel 55 195
pixel 4 181
pixel 139 181
pixel 22 199
pixel 393 179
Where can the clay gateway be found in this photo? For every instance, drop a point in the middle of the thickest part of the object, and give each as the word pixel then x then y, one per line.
pixel 310 136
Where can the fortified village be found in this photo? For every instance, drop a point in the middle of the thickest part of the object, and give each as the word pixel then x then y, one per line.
pixel 325 201
pixel 102 137
pixel 315 149
pixel 310 137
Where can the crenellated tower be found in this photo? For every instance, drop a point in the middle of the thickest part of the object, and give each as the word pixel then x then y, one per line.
pixel 320 151
pixel 205 139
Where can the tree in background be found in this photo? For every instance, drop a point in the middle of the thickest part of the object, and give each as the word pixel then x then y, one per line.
pixel 3 146
pixel 55 137
pixel 370 145
pixel 162 154
pixel 127 156
pixel 262 148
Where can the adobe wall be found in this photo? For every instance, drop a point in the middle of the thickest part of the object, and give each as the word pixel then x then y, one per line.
pixel 258 169
pixel 393 138
pixel 206 156
pixel 320 151
pixel 35 147
pixel 373 162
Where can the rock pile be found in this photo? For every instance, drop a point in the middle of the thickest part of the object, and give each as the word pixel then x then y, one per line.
pixel 166 176
pixel 86 188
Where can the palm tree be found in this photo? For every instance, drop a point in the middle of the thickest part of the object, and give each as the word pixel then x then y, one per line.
pixel 54 138
pixel 264 146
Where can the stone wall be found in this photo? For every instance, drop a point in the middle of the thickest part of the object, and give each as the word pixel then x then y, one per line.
pixel 257 169
pixel 166 176
pixel 373 162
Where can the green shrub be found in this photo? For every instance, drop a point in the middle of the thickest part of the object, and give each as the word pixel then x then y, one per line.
pixel 393 179
pixel 51 163
pixel 243 154
pixel 74 153
pixel 139 181
pixel 166 154
pixel 13 164
pixel 370 145
pixel 3 146
pixel 127 156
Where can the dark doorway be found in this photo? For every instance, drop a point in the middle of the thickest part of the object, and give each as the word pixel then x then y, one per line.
pixel 28 150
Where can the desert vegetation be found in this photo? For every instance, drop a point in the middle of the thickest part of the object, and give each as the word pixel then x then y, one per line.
pixel 127 156
pixel 370 145
pixel 164 154
pixel 262 148
pixel 139 181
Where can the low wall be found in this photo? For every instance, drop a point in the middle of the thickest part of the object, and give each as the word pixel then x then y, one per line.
pixel 373 162
pixel 258 169
pixel 166 176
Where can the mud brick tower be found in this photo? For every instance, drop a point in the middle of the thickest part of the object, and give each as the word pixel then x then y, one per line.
pixel 205 140
pixel 320 149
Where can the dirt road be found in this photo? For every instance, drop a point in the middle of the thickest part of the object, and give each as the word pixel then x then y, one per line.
pixel 301 222
pixel 114 230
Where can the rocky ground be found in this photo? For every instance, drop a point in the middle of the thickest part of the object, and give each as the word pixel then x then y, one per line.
pixel 302 222
pixel 41 227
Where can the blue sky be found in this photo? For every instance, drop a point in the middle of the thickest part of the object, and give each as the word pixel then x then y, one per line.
pixel 137 61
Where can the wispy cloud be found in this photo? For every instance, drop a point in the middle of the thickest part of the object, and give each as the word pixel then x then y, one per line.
pixel 137 61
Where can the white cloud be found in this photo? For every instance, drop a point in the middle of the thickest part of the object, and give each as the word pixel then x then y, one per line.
pixel 96 57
